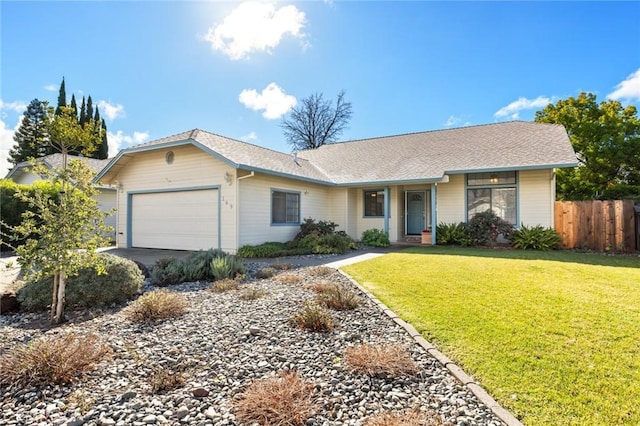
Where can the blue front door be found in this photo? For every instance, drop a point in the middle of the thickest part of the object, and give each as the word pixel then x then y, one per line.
pixel 416 212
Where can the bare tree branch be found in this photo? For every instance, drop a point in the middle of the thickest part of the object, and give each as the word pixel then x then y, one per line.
pixel 316 122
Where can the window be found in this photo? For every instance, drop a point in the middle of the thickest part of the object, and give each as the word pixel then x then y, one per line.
pixel 495 191
pixel 285 207
pixel 374 203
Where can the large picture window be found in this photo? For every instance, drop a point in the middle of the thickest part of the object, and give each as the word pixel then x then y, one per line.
pixel 285 207
pixel 374 203
pixel 495 191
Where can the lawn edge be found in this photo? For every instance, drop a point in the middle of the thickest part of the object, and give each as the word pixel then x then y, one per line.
pixel 457 372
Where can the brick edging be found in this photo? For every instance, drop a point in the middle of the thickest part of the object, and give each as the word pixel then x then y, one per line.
pixel 457 372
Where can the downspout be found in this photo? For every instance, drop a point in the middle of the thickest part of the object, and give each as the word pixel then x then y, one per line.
pixel 434 212
pixel 238 179
pixel 387 208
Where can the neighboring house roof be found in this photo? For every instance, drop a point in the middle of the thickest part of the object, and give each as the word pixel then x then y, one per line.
pixel 414 157
pixel 55 161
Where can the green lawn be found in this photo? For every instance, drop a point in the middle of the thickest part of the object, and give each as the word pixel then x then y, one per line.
pixel 553 336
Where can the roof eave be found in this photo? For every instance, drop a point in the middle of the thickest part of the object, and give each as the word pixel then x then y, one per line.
pixel 509 168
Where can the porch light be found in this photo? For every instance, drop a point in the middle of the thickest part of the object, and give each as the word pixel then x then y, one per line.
pixel 373 194
pixel 494 178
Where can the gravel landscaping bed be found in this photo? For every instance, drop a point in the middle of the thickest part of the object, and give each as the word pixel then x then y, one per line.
pixel 222 345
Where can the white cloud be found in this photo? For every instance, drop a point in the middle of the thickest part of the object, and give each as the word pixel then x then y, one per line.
pixel 513 109
pixel 6 143
pixel 452 121
pixel 51 88
pixel 111 111
pixel 254 26
pixel 118 139
pixel 16 106
pixel 272 100
pixel 251 136
pixel 628 89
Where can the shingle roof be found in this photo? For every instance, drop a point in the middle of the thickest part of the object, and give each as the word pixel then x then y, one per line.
pixel 424 156
pixel 429 155
pixel 55 160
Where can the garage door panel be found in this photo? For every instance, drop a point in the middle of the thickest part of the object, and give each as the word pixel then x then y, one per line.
pixel 181 220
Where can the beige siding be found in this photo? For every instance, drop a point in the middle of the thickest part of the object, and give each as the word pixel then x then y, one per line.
pixel 254 216
pixel 536 195
pixel 450 200
pixel 338 202
pixel 191 168
pixel 106 202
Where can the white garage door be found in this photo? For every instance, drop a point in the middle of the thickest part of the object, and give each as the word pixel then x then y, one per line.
pixel 182 220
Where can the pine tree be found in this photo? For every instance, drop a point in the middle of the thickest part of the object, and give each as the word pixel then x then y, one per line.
pixel 62 98
pixel 73 104
pixel 31 137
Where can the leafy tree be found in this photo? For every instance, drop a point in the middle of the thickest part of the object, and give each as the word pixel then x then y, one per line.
pixel 62 97
pixel 62 237
pixel 606 138
pixel 316 122
pixel 32 135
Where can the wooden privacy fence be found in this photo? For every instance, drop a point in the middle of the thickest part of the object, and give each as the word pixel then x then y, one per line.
pixel 596 225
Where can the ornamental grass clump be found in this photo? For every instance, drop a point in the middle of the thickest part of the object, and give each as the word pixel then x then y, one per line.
pixel 226 284
pixel 380 360
pixel 407 418
pixel 283 400
pixel 321 271
pixel 165 380
pixel 289 279
pixel 157 305
pixel 313 317
pixel 338 297
pixel 51 360
pixel 252 294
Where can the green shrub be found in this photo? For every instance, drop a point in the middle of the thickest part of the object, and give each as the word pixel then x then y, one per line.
pixel 228 266
pixel 535 238
pixel 375 238
pixel 156 306
pixel 327 243
pixel 203 265
pixel 320 228
pixel 313 317
pixel 120 283
pixel 485 227
pixel 268 249
pixel 13 208
pixel 267 272
pixel 456 234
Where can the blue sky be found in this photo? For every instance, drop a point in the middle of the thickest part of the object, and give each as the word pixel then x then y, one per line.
pixel 235 68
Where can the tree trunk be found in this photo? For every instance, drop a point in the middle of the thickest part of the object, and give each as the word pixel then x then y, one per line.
pixel 60 307
pixel 54 297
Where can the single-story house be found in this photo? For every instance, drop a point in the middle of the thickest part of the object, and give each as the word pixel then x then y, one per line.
pixel 106 196
pixel 198 190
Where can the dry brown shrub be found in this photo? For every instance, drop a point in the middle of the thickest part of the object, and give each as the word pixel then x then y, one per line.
pixel 380 360
pixel 252 294
pixel 338 297
pixel 283 400
pixel 320 286
pixel 157 305
pixel 313 317
pixel 282 266
pixel 408 418
pixel 223 285
pixel 165 380
pixel 51 360
pixel 321 271
pixel 289 279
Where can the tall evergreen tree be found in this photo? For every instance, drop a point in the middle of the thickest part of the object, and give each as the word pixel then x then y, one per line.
pixel 32 136
pixel 73 104
pixel 103 150
pixel 89 111
pixel 83 113
pixel 62 98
